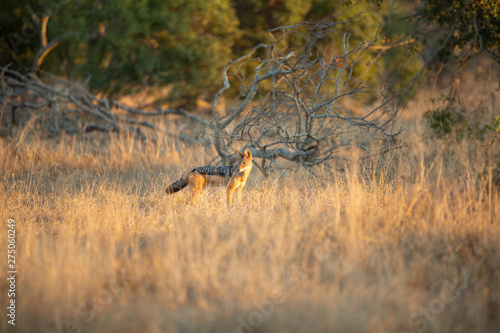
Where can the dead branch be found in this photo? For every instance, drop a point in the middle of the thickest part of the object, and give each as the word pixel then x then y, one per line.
pixel 45 47
pixel 72 109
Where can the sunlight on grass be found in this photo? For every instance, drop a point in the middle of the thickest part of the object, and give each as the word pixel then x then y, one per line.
pixel 405 242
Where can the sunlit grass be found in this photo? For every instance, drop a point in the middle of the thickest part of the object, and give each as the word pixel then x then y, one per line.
pixel 402 243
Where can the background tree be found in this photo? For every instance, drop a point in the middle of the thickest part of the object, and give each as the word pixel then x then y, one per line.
pixel 19 32
pixel 450 33
pixel 151 42
pixel 125 43
pixel 256 17
pixel 472 26
pixel 122 45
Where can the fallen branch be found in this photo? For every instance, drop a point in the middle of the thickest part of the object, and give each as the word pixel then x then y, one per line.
pixel 75 110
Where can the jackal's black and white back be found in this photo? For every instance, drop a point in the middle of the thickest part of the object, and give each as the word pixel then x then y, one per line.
pixel 222 170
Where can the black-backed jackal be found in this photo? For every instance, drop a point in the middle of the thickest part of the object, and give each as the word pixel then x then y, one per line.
pixel 233 177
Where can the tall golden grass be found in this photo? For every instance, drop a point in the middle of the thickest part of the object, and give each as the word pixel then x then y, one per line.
pixel 406 242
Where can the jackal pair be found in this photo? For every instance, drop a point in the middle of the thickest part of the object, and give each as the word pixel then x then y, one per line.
pixel 233 177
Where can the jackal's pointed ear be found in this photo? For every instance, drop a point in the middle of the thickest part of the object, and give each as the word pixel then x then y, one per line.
pixel 239 152
pixel 248 153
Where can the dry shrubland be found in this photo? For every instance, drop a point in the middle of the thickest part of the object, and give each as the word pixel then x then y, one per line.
pixel 404 242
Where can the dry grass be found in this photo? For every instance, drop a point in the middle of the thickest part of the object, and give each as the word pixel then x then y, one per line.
pixel 408 243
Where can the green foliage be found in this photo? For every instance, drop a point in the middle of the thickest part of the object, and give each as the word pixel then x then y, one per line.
pixel 494 126
pixel 153 42
pixel 401 63
pixel 256 17
pixel 19 33
pixel 475 25
pixel 446 118
pixel 129 44
pixel 121 43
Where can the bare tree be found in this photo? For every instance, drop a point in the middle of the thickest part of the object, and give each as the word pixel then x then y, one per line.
pixel 306 99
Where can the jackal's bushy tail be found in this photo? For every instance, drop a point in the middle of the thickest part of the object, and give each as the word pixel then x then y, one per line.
pixel 178 185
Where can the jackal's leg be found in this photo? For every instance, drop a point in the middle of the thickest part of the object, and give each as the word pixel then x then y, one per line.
pixel 230 196
pixel 230 189
pixel 196 185
pixel 238 191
